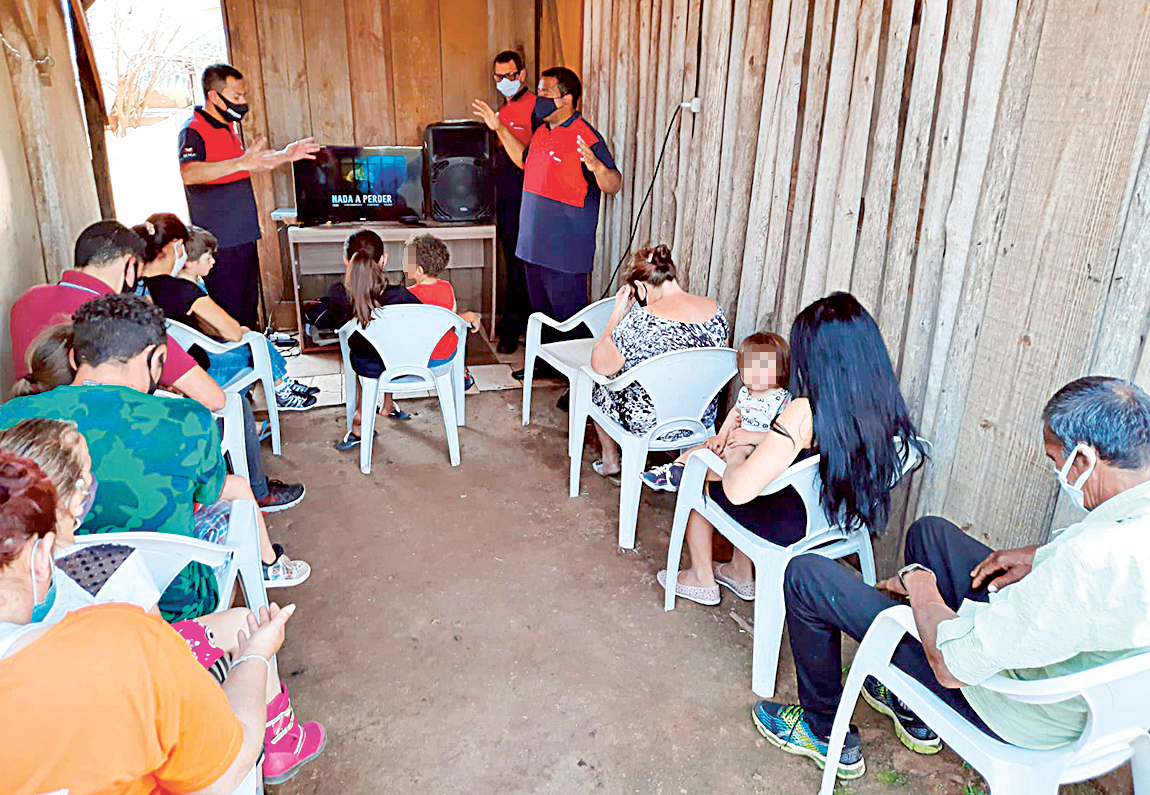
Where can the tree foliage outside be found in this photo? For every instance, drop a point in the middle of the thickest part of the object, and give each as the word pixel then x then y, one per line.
pixel 145 45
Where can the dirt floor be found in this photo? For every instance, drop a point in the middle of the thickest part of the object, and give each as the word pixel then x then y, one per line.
pixel 474 630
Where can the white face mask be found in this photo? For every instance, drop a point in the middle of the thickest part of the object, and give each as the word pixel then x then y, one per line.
pixel 1074 490
pixel 508 88
pixel 181 260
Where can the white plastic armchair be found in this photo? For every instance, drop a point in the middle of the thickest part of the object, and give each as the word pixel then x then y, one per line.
pixel 681 385
pixel 404 336
pixel 566 356
pixel 232 436
pixel 237 558
pixel 1117 697
pixel 260 371
pixel 822 537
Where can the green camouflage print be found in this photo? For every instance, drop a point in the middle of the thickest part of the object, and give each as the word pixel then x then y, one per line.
pixel 154 457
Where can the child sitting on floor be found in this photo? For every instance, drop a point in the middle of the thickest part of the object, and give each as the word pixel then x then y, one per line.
pixel 424 258
pixel 764 367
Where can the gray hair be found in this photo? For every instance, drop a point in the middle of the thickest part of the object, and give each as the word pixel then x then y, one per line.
pixel 1109 414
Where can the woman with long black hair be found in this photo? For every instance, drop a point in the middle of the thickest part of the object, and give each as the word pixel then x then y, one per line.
pixel 849 410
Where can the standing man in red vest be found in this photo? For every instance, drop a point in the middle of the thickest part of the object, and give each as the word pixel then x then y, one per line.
pixel 516 113
pixel 566 168
pixel 216 172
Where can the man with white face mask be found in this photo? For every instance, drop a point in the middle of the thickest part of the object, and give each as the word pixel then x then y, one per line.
pixel 1078 601
pixel 516 113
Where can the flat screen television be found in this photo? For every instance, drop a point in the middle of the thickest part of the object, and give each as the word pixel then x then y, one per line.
pixel 359 183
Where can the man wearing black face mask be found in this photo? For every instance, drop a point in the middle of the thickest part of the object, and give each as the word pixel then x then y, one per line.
pixel 566 168
pixel 216 171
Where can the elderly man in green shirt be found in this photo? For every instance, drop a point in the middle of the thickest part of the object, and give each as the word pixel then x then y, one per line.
pixel 1074 603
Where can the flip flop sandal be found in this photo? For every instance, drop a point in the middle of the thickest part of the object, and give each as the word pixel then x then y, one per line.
pixel 398 414
pixel 612 477
pixel 708 597
pixel 743 590
pixel 350 441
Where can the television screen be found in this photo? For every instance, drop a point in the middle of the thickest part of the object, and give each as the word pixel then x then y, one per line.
pixel 359 183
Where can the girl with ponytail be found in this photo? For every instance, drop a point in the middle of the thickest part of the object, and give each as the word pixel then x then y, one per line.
pixel 364 289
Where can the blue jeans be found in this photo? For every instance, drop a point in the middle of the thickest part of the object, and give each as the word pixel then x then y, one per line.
pixel 226 366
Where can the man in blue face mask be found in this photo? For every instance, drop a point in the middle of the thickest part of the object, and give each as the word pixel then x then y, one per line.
pixel 517 113
pixel 216 171
pixel 566 168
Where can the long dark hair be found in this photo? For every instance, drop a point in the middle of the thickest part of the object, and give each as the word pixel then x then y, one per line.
pixel 158 231
pixel 366 278
pixel 839 362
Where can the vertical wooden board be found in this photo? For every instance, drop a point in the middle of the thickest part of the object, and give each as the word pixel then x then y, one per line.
pixel 774 277
pixel 995 25
pixel 831 149
pixel 866 277
pixel 416 68
pixel 896 274
pixel 511 26
pixel 798 239
pixel 369 71
pixel 649 136
pixel 465 61
pixel 661 58
pixel 244 53
pixel 589 76
pixel 746 237
pixel 735 174
pixel 285 83
pixel 929 243
pixel 1122 324
pixel 629 198
pixel 677 92
pixel 683 227
pixel 706 163
pixel 856 143
pixel 620 118
pixel 1078 118
pixel 328 83
pixel 572 33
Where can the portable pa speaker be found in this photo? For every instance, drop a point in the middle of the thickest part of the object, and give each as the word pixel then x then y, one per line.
pixel 459 185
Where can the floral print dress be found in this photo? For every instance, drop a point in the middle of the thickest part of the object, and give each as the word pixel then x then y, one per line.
pixel 640 336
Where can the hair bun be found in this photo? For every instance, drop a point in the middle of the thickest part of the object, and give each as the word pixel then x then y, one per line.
pixel 661 255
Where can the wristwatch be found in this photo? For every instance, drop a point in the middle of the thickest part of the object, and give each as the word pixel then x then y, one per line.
pixel 905 570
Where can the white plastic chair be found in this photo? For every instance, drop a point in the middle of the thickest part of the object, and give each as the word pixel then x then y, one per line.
pixel 681 385
pixel 770 560
pixel 1117 696
pixel 405 335
pixel 232 437
pixel 238 557
pixel 260 371
pixel 566 356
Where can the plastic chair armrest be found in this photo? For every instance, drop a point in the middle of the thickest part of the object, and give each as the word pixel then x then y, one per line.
pixel 566 325
pixel 1060 688
pixel 600 379
pixel 707 460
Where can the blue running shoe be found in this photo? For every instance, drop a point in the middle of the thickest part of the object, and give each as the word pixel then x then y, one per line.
pixel 784 726
pixel 664 478
pixel 909 729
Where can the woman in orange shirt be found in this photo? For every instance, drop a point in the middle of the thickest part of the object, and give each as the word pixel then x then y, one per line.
pixel 156 723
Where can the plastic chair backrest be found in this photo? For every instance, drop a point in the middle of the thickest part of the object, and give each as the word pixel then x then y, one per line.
pixel 681 384
pixel 595 316
pixel 406 334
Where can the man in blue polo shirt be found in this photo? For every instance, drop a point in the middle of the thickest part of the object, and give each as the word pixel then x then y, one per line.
pixel 566 169
pixel 216 171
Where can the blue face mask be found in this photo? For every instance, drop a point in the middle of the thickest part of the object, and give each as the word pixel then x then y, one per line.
pixel 544 107
pixel 40 609
pixel 89 501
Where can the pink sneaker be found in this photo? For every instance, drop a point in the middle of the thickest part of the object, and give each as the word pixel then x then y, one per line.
pixel 288 745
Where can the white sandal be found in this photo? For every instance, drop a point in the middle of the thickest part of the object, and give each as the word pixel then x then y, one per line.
pixel 708 597
pixel 613 477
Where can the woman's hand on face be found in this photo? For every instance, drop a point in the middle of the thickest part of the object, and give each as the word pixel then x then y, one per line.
pixel 624 300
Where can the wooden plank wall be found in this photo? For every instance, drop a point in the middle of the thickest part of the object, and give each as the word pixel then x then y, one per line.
pixel 376 72
pixel 974 170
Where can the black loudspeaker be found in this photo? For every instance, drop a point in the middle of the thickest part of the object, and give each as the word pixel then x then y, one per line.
pixel 457 176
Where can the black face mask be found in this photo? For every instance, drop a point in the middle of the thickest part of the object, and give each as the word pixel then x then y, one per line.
pixel 231 110
pixel 544 107
pixel 641 300
pixel 153 384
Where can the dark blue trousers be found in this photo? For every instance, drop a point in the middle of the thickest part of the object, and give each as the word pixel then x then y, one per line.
pixel 558 295
pixel 825 598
